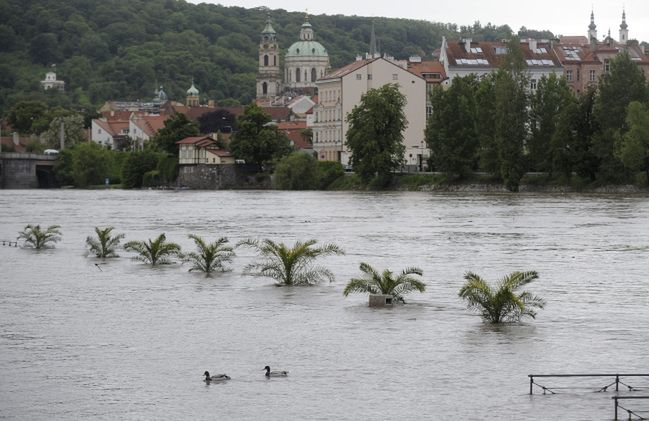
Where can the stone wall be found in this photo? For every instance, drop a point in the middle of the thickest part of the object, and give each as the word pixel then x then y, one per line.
pixel 19 170
pixel 221 177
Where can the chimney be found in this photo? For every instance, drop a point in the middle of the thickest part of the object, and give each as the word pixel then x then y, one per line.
pixel 532 44
pixel 467 44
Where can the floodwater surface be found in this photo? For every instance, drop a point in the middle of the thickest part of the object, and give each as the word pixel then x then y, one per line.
pixel 125 341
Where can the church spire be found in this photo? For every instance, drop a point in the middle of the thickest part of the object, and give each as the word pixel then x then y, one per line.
pixel 624 29
pixel 592 28
pixel 374 51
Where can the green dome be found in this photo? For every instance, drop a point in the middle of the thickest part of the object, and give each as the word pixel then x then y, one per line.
pixel 192 90
pixel 307 49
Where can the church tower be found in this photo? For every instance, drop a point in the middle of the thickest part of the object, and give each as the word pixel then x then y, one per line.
pixel 624 29
pixel 269 76
pixel 193 97
pixel 592 28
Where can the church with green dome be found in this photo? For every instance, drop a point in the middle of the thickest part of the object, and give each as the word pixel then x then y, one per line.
pixel 305 61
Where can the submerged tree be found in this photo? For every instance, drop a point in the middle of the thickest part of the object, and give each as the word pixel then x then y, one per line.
pixel 38 238
pixel 104 245
pixel 209 257
pixel 290 265
pixel 386 283
pixel 503 304
pixel 154 252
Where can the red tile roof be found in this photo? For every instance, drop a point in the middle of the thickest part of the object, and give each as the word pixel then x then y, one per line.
pixel 113 127
pixel 150 124
pixel 196 140
pixel 424 68
pixel 343 71
pixel 488 54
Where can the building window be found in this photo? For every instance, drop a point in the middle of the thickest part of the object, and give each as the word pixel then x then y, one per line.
pixel 297 75
pixel 266 60
pixel 395 76
pixel 578 75
pixel 569 75
pixel 607 65
pixel 593 76
pixel 359 76
pixel 274 60
pixel 533 84
pixel 264 88
pixel 313 75
pixel 369 76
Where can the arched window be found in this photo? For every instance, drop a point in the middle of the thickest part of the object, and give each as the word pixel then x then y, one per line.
pixel 297 74
pixel 313 75
pixel 266 60
pixel 264 88
pixel 274 60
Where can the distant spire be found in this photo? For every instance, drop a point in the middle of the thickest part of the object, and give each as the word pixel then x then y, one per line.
pixel 592 25
pixel 623 25
pixel 374 51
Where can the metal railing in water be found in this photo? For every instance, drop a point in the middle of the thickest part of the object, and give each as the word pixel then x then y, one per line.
pixel 616 381
pixel 633 414
pixel 10 243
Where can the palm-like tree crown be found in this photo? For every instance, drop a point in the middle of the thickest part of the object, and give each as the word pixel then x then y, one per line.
pixel 35 237
pixel 290 265
pixel 210 256
pixel 154 252
pixel 503 304
pixel 385 283
pixel 104 245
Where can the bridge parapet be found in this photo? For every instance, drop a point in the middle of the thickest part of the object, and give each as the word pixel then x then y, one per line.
pixel 26 170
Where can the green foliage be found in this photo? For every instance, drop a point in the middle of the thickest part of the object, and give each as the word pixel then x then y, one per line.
pixel 220 120
pixel 634 148
pixel 209 257
pixel 258 141
pixel 136 165
pixel 105 244
pixel 34 236
pixel 176 128
pixel 28 116
pixel 375 135
pixel 90 164
pixel 328 172
pixel 290 265
pixel 386 283
pixel 552 95
pixel 298 171
pixel 73 131
pixel 452 131
pixel 151 178
pixel 154 252
pixel 504 304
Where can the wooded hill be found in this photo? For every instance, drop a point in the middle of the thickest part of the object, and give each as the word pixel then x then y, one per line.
pixel 124 49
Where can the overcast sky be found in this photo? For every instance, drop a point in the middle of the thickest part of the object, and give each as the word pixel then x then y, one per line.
pixel 562 17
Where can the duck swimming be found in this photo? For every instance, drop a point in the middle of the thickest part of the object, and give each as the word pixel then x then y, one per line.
pixel 275 373
pixel 215 378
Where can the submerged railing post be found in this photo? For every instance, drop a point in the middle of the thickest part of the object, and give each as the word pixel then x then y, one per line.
pixel 615 399
pixel 531 383
pixel 617 383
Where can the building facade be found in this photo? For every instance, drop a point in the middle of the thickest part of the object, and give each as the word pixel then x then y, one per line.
pixel 340 91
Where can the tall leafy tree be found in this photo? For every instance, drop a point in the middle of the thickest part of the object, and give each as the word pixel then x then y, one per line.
pixel 451 132
pixel 25 115
pixel 561 150
pixel 375 135
pixel 219 120
pixel 511 115
pixel 257 140
pixel 624 83
pixel 486 125
pixel 551 96
pixel 73 131
pixel 176 128
pixel 298 171
pixel 634 148
pixel 586 125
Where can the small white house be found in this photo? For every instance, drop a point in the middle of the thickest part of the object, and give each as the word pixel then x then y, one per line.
pixel 50 82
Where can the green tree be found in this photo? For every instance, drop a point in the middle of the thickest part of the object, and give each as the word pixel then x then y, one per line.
pixel 176 128
pixel 298 171
pixel 209 257
pixel 451 132
pixel 586 125
pixel 105 244
pixel 34 236
pixel 375 135
pixel 511 115
pixel 551 96
pixel 563 143
pixel 154 252
pixel 634 149
pixel 90 164
pixel 136 165
pixel 220 120
pixel 504 304
pixel 328 172
pixel 486 125
pixel 23 115
pixel 290 265
pixel 386 283
pixel 624 83
pixel 258 141
pixel 73 131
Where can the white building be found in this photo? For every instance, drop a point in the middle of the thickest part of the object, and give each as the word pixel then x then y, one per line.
pixel 50 82
pixel 340 91
pixel 112 134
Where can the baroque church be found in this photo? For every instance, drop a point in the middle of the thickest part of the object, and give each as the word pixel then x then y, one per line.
pixel 305 61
